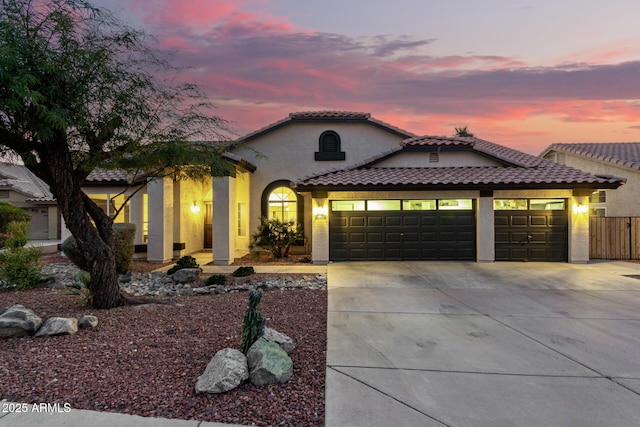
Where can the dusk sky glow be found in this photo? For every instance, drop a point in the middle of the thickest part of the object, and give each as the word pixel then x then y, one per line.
pixel 519 73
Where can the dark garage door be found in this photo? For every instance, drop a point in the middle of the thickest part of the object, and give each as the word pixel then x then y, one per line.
pixel 402 235
pixel 531 235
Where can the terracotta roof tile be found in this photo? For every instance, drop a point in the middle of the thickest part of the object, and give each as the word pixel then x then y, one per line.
pixel 103 176
pixel 460 176
pixel 329 114
pixel 620 153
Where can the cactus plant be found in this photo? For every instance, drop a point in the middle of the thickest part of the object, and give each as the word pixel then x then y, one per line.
pixel 253 326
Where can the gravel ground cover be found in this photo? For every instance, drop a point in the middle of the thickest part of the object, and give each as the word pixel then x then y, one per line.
pixel 145 360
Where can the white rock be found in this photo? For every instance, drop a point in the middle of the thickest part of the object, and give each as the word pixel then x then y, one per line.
pixel 58 326
pixel 18 321
pixel 226 371
pixel 279 338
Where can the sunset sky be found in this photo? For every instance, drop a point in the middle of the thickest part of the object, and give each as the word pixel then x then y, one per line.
pixel 520 73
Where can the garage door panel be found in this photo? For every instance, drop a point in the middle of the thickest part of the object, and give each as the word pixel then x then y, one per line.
pixel 396 235
pixel 531 235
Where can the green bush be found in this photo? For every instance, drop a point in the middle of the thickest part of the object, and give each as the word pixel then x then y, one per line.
pixel 123 235
pixel 9 214
pixel 186 261
pixel 216 279
pixel 19 266
pixel 243 272
pixel 277 236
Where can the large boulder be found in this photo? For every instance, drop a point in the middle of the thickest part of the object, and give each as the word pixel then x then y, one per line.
pixel 18 321
pixel 279 338
pixel 58 326
pixel 268 363
pixel 226 371
pixel 88 321
pixel 186 275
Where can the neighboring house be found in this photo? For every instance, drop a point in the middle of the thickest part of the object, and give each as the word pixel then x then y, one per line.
pixel 366 190
pixel 22 188
pixel 605 159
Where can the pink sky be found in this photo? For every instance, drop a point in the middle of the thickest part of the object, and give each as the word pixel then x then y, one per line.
pixel 519 75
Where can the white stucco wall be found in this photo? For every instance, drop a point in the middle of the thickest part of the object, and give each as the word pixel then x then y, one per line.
pixel 288 153
pixel 623 201
pixel 445 159
pixel 189 226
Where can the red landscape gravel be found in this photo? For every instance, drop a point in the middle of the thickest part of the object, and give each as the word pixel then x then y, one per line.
pixel 145 360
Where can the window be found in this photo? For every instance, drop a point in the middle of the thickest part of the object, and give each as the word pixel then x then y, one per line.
pixel 546 204
pixel 329 147
pixel 418 205
pixel 598 212
pixel 283 204
pixel 347 205
pixel 434 157
pixel 510 204
pixel 383 205
pixel 110 205
pixel 455 204
pixel 242 220
pixel 598 197
pixel 4 194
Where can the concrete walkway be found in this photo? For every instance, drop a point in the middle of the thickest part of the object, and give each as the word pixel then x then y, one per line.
pixel 471 344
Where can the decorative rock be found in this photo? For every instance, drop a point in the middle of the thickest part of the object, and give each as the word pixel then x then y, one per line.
pixel 268 363
pixel 18 321
pixel 186 275
pixel 279 338
pixel 88 322
pixel 226 371
pixel 58 326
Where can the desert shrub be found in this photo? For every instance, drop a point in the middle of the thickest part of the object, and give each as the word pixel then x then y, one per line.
pixel 243 272
pixel 81 287
pixel 253 322
pixel 123 235
pixel 9 214
pixel 276 236
pixel 216 279
pixel 186 261
pixel 19 266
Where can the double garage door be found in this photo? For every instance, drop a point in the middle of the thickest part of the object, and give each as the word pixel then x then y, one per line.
pixel 368 233
pixel 444 232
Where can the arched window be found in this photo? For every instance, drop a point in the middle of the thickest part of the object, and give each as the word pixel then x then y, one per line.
pixel 280 201
pixel 329 147
pixel 283 204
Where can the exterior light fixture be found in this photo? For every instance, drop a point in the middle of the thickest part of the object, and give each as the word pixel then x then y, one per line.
pixel 580 209
pixel 195 208
pixel 320 212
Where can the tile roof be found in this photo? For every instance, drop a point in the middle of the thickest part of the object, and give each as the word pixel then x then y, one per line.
pixel 113 176
pixel 520 169
pixel 326 115
pixel 20 179
pixel 620 153
pixel 467 177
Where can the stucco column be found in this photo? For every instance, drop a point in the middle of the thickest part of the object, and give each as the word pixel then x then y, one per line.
pixel 54 218
pixel 160 196
pixel 579 229
pixel 485 230
pixel 224 220
pixel 320 231
pixel 136 216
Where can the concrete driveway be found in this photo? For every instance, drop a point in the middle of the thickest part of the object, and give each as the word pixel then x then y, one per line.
pixel 473 344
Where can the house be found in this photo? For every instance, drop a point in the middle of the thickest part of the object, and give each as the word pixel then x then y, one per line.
pixel 22 188
pixel 366 190
pixel 605 159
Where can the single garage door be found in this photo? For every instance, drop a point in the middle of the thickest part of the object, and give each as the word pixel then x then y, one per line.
pixel 381 230
pixel 531 229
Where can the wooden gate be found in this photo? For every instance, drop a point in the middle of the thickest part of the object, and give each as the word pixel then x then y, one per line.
pixel 614 238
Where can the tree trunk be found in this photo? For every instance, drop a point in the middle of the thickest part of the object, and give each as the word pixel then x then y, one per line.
pixel 95 240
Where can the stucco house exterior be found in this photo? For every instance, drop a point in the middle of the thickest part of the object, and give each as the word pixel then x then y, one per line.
pixel 21 188
pixel 367 190
pixel 605 159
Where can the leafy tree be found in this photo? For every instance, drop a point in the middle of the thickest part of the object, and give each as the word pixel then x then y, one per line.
pixel 79 90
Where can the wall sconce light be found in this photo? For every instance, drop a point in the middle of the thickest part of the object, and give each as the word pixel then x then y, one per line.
pixel 195 208
pixel 580 209
pixel 320 212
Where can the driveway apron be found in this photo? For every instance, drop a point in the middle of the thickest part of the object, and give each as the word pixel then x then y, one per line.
pixel 483 344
